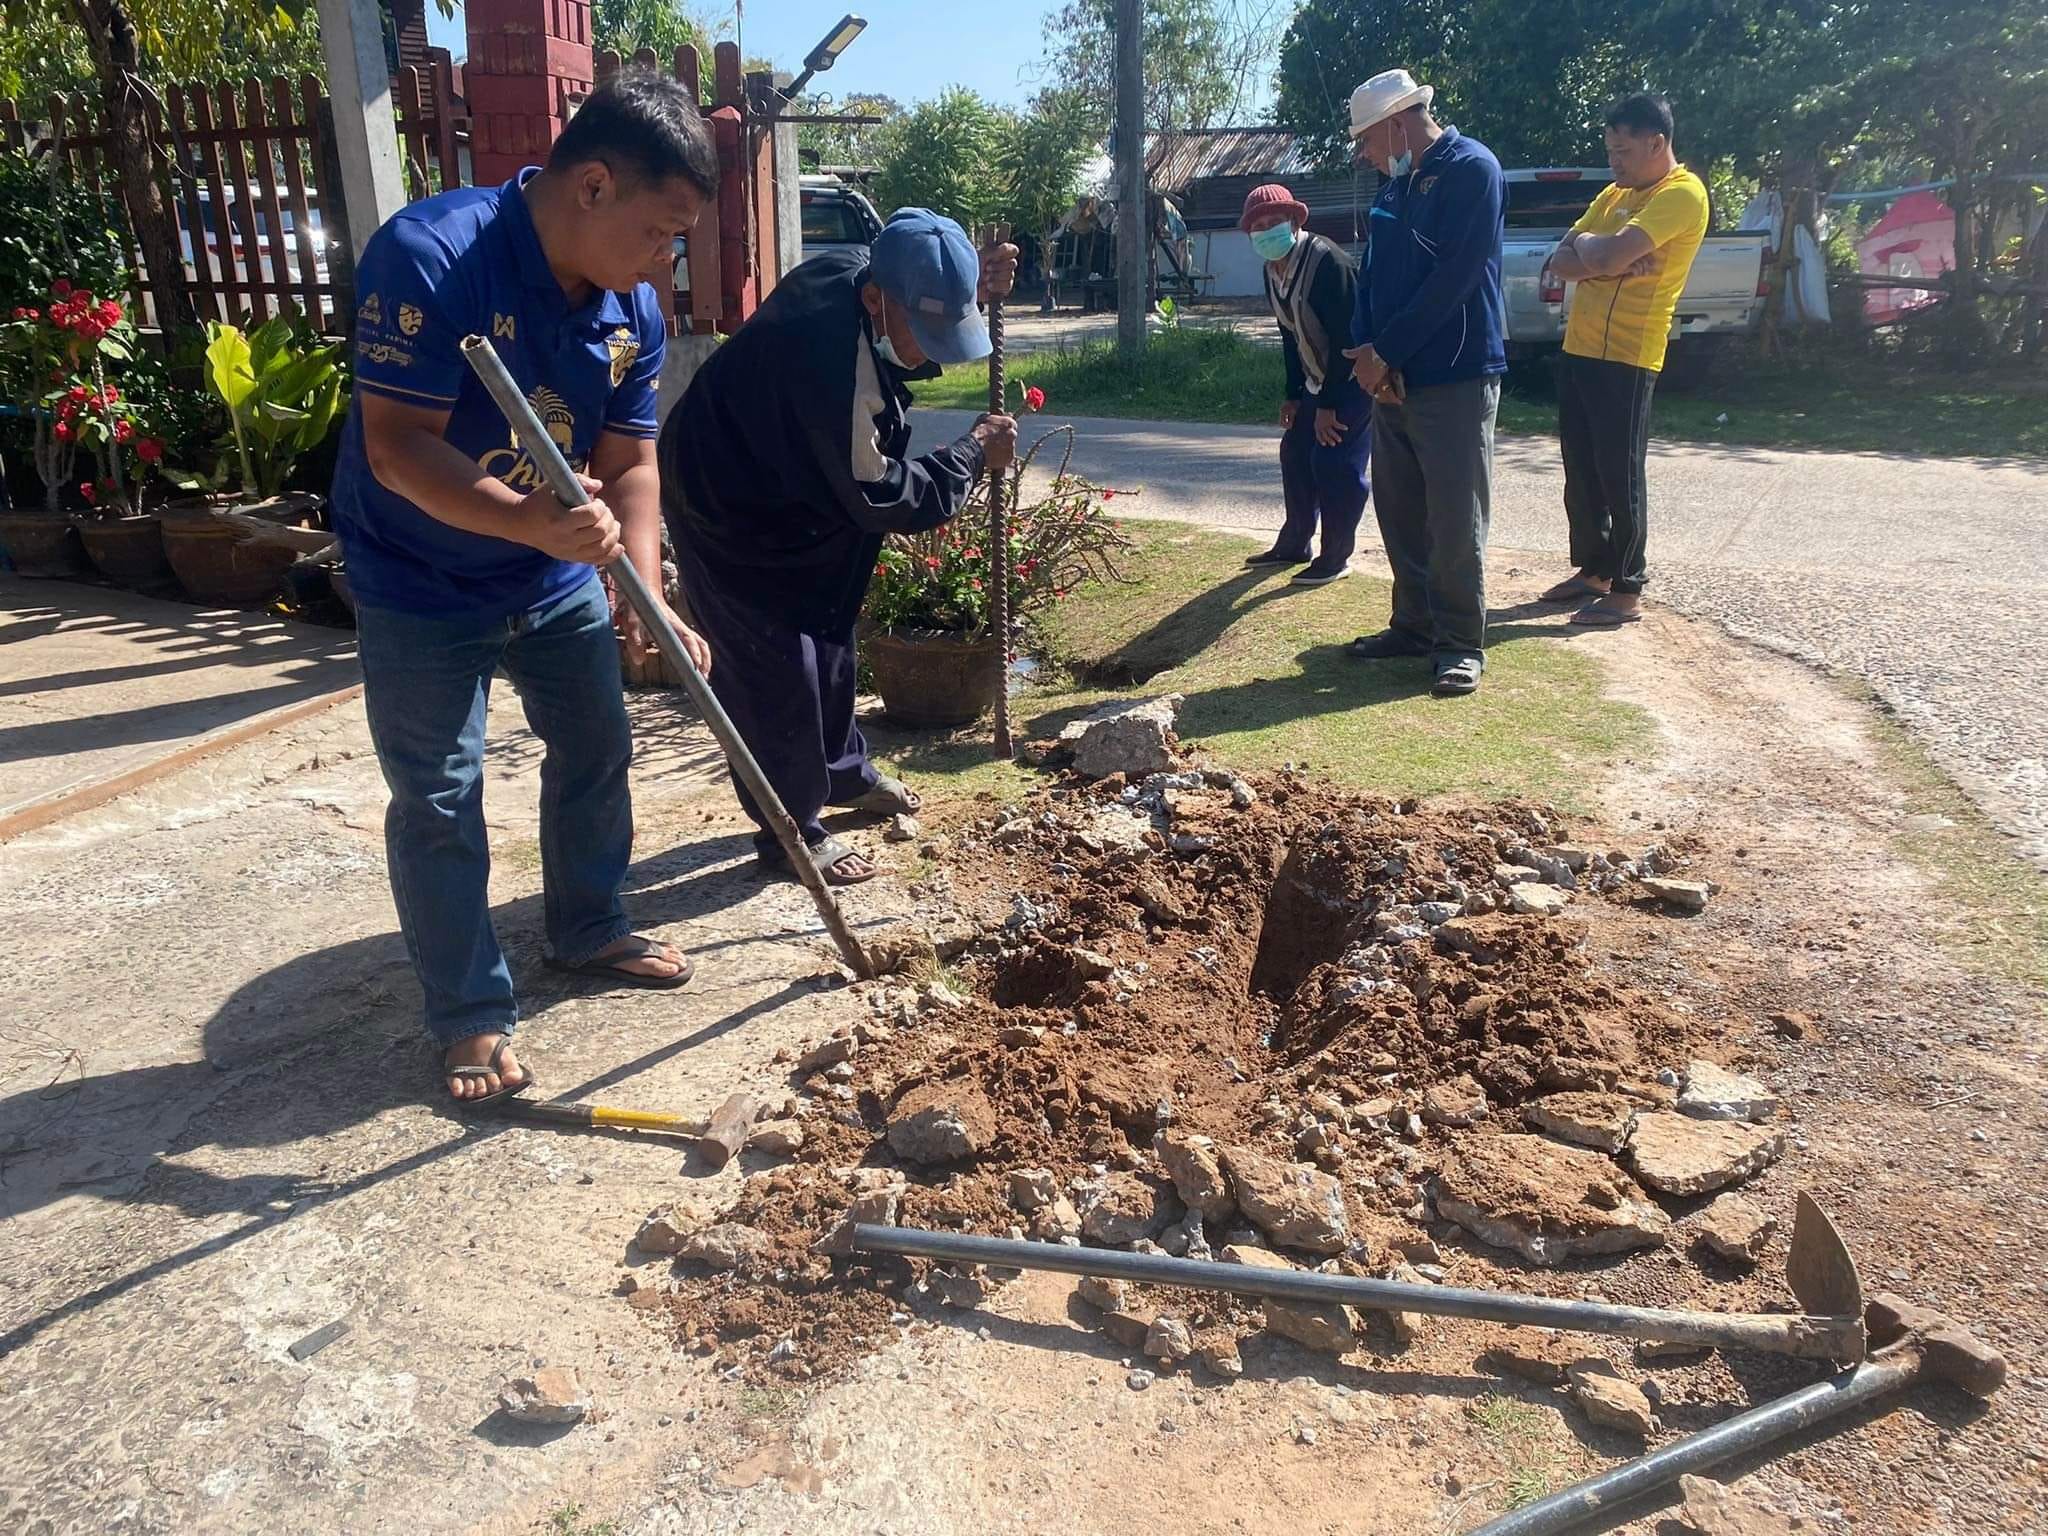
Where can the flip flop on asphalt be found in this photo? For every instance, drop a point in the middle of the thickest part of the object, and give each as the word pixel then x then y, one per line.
pixel 1572 590
pixel 889 797
pixel 1459 677
pixel 612 965
pixel 493 1068
pixel 833 858
pixel 1600 616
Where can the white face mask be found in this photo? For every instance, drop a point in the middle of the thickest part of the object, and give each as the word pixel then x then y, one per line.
pixel 1401 164
pixel 885 344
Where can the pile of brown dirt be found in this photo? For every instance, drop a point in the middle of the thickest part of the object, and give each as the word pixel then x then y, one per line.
pixel 1282 967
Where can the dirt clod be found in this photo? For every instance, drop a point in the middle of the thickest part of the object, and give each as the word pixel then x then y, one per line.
pixel 1547 1202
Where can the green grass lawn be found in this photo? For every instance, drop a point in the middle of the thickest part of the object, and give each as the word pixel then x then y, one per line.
pixel 1266 682
pixel 1217 375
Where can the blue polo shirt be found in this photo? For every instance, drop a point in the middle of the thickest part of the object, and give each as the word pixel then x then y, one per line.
pixel 470 262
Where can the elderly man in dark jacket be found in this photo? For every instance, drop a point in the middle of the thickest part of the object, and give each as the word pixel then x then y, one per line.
pixel 1326 419
pixel 783 469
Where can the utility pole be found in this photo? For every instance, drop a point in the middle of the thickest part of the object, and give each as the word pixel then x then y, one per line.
pixel 365 132
pixel 1133 216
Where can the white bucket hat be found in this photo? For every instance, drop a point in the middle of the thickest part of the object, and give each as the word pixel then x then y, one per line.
pixel 1385 94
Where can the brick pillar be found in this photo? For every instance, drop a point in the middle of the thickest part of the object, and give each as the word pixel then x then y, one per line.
pixel 529 60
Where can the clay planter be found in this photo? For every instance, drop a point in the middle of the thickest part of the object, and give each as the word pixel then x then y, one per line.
pixel 127 550
pixel 42 544
pixel 932 678
pixel 218 564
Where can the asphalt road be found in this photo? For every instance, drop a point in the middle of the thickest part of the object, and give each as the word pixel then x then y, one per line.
pixel 1927 579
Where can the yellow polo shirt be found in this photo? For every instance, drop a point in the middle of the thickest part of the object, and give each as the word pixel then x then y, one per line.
pixel 1628 319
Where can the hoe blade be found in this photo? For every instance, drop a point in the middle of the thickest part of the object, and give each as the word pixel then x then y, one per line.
pixel 1821 1271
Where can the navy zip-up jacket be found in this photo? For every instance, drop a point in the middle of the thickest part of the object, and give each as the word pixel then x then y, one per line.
pixel 784 464
pixel 1430 299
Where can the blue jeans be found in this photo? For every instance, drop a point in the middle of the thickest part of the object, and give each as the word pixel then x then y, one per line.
pixel 427 682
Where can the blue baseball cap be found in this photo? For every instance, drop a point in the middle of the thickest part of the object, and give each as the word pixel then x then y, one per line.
pixel 928 265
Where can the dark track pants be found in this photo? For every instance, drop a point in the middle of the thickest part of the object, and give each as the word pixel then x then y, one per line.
pixel 791 693
pixel 1603 428
pixel 1325 484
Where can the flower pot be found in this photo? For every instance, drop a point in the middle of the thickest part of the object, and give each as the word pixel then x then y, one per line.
pixel 42 544
pixel 128 550
pixel 931 677
pixel 218 564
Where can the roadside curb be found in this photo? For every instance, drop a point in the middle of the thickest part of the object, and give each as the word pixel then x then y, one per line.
pixel 93 793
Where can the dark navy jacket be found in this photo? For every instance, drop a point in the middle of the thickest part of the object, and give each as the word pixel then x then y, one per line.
pixel 1430 300
pixel 783 466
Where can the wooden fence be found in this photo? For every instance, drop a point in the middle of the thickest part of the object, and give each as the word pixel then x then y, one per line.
pixel 249 173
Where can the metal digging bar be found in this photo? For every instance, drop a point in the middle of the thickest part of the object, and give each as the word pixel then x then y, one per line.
pixel 569 491
pixel 1836 1335
pixel 999 521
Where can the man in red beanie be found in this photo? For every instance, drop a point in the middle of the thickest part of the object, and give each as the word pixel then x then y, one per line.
pixel 1326 437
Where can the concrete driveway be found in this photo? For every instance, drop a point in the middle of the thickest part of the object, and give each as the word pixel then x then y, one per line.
pixel 1926 579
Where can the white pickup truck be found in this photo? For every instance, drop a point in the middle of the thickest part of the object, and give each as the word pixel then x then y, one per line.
pixel 1723 297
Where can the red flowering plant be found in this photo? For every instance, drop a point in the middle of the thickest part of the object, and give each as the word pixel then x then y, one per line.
pixel 57 358
pixel 943 580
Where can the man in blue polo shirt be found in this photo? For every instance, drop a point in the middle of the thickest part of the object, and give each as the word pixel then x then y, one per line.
pixel 463 562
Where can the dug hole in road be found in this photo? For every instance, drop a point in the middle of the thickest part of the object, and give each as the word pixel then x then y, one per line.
pixel 1257 1017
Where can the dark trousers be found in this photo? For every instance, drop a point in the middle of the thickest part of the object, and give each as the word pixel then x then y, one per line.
pixel 1603 427
pixel 1432 480
pixel 790 691
pixel 1329 485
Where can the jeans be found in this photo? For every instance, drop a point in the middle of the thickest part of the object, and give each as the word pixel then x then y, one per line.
pixel 1603 432
pixel 426 683
pixel 1432 480
pixel 790 690
pixel 1325 483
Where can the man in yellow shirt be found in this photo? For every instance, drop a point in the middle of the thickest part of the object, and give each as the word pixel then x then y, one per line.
pixel 1630 256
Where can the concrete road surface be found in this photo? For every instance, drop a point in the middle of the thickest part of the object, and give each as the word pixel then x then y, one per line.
pixel 1927 579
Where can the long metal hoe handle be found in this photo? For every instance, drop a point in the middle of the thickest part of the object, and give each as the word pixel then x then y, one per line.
pixel 999 526
pixel 554 469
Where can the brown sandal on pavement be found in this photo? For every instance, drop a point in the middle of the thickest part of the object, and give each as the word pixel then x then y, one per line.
pixel 493 1068
pixel 1600 616
pixel 611 968
pixel 1571 590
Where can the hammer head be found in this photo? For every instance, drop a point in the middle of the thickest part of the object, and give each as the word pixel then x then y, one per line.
pixel 1947 1349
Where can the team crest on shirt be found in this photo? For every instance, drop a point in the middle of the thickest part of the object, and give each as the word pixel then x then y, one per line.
pixel 410 318
pixel 623 348
pixel 1422 187
pixel 502 327
pixel 512 464
pixel 384 352
pixel 370 311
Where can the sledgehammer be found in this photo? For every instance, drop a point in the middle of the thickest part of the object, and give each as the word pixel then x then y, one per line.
pixel 554 469
pixel 1917 1345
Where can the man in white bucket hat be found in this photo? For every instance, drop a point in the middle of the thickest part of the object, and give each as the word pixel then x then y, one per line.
pixel 1428 344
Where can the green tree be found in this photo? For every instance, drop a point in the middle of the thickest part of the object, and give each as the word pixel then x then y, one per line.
pixel 831 144
pixel 1201 59
pixel 626 26
pixel 937 156
pixel 1040 163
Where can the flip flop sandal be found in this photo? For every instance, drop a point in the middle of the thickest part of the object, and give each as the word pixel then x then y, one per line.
pixel 1593 616
pixel 828 856
pixel 489 1069
pixel 889 797
pixel 1570 591
pixel 610 966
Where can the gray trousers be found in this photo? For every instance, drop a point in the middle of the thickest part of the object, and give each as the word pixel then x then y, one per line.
pixel 1432 484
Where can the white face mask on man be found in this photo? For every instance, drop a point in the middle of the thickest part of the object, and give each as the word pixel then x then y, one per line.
pixel 1399 165
pixel 886 344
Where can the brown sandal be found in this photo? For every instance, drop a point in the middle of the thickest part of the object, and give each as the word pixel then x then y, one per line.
pixel 493 1068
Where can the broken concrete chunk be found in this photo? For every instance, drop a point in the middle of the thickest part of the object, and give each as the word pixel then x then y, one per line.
pixel 667 1228
pixel 776 1138
pixel 1683 1156
pixel 1570 855
pixel 1609 1400
pixel 1514 874
pixel 828 1053
pixel 1331 1329
pixel 552 1395
pixel 1738 1230
pixel 1406 1326
pixel 1459 1103
pixel 1717 1509
pixel 1542 1361
pixel 1715 1093
pixel 1538 900
pixel 1219 1353
pixel 1133 737
pixel 903 829
pixel 1032 1189
pixel 1128 1328
pixel 1124 1208
pixel 1020 1037
pixel 1089 965
pixel 1196 1169
pixel 1296 1207
pixel 1057 1223
pixel 1601 1121
pixel 725 1246
pixel 1685 895
pixel 942 1122
pixel 1547 1202
pixel 1104 1293
pixel 1169 1339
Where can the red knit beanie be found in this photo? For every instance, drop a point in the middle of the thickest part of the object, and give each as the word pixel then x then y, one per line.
pixel 1267 199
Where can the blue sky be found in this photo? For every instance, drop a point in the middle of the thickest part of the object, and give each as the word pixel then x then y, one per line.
pixel 908 50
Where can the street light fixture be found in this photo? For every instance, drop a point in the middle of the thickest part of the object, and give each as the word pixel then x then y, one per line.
pixel 826 54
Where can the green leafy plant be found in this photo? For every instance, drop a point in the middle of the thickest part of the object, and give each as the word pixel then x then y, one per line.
pixel 54 357
pixel 283 390
pixel 51 229
pixel 944 580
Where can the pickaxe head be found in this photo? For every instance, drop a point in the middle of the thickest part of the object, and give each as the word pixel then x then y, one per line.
pixel 1821 1271
pixel 1948 1350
